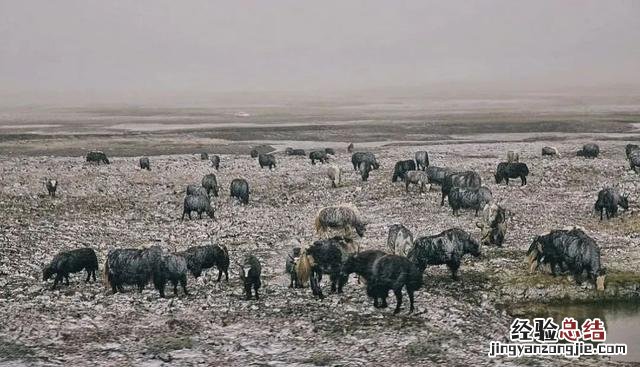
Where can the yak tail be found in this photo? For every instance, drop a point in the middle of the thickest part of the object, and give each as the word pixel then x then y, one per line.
pixel 303 268
pixel 105 275
pixel 224 248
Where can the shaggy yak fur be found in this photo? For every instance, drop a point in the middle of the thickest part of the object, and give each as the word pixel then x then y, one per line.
pixel 171 268
pixel 475 199
pixel 342 217
pixel 131 267
pixel 463 180
pixel 145 164
pixel 507 170
pixel 239 189
pixel 384 273
pixel 210 183
pixel 551 151
pixel 358 157
pixel 399 240
pixel 447 247
pixel 589 151
pixel 69 262
pixel 318 155
pixel 418 178
pixel 267 160
pixel 608 201
pixel 401 168
pixel 494 227
pixel 97 157
pixel 198 203
pixel 200 258
pixel 570 250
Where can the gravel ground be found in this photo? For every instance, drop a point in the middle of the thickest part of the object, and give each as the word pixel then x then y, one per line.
pixel 119 205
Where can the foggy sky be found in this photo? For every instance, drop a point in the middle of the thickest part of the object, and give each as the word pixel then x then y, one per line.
pixel 154 47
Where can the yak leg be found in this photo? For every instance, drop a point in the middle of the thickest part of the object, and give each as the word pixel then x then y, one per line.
pixel 57 280
pixel 524 180
pixel 291 282
pixel 88 275
pixel 410 293
pixel 94 275
pixel 183 283
pixel 507 180
pixel 454 266
pixel 601 210
pixel 66 278
pixel 175 287
pixel 398 293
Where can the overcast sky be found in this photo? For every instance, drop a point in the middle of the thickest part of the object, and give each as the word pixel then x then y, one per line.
pixel 156 47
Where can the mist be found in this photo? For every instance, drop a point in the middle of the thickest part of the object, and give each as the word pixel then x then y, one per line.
pixel 104 51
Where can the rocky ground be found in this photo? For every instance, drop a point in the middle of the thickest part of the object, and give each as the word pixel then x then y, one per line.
pixel 119 205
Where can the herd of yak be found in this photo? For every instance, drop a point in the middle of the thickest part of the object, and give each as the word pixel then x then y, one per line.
pixel 337 254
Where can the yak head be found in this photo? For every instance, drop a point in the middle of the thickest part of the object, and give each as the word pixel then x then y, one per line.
pixel 471 246
pixel 360 228
pixel 498 177
pixel 624 201
pixel 535 254
pixel 417 260
pixel 246 282
pixel 47 273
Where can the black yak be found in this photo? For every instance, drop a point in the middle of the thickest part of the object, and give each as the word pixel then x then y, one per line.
pixel 399 239
pixel 267 160
pixel 590 150
pixel 568 249
pixel 475 199
pixel 334 173
pixel 145 164
pixel 131 266
pixel 318 155
pixel 418 178
pixel 200 258
pixel 252 278
pixel 551 151
pixel 358 157
pixel 215 162
pixel 52 186
pixel 330 151
pixel 290 267
pixel 254 153
pixel 437 175
pixel 197 190
pixel 239 189
pixel 634 160
pixel 422 160
pixel 171 268
pixel 393 272
pixel 463 180
pixel 204 156
pixel 630 148
pixel 97 157
pixel 401 168
pixel 608 201
pixel 507 170
pixel 447 247
pixel 324 257
pixel 210 183
pixel 198 203
pixel 291 151
pixel 69 262
pixel 341 217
